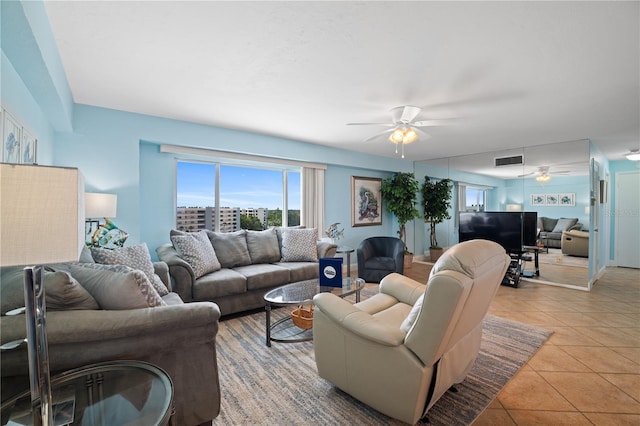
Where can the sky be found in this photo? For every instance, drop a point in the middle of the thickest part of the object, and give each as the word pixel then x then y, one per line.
pixel 239 186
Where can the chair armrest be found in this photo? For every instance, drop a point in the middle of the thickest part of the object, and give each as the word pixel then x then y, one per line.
pixel 356 321
pixel 162 270
pixel 180 271
pixel 326 249
pixel 403 288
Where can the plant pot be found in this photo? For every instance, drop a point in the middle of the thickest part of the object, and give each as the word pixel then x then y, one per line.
pixel 408 260
pixel 435 253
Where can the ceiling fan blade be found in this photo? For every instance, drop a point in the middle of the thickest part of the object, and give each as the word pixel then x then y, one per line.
pixel 431 123
pixel 527 174
pixel 377 135
pixel 561 172
pixel 371 124
pixel 421 133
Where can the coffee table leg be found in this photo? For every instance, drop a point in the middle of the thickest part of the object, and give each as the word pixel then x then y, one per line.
pixel 267 309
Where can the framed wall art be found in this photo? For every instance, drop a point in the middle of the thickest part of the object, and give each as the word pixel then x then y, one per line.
pixel 567 199
pixel 538 199
pixel 28 148
pixel 11 137
pixel 366 201
pixel 552 200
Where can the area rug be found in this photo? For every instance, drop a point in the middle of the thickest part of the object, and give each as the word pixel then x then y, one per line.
pixel 555 257
pixel 280 385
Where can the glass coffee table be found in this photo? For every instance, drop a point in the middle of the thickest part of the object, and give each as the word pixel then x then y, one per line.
pixel 301 293
pixel 104 394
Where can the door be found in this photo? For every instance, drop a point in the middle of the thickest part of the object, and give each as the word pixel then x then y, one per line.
pixel 627 217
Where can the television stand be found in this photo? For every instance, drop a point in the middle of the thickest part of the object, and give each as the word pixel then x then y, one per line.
pixel 515 271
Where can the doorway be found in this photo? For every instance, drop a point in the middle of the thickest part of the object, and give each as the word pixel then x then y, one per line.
pixel 626 214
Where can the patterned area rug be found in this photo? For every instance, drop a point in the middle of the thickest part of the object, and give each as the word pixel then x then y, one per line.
pixel 280 386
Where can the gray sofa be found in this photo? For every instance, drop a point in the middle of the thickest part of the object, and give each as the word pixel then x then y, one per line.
pixel 245 264
pixel 177 337
pixel 551 230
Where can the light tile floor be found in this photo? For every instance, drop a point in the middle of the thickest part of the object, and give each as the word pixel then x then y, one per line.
pixel 588 372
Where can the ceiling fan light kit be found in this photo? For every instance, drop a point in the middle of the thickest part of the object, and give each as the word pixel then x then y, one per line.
pixel 405 128
pixel 543 178
pixel 633 155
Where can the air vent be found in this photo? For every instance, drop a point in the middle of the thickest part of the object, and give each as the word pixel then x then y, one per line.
pixel 509 161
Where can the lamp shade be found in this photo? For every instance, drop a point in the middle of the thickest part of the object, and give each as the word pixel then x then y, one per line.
pixel 100 205
pixel 514 207
pixel 41 211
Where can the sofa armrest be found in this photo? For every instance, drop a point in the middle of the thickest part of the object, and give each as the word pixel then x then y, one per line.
pixel 326 249
pixel 404 289
pixel 80 337
pixel 162 270
pixel 356 321
pixel 180 271
pixel 576 227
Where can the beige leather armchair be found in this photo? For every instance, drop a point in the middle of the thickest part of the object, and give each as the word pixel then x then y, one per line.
pixel 401 349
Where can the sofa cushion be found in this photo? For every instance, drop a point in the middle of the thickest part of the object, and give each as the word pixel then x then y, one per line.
pixel 224 282
pixel 548 223
pixel 62 291
pixel 263 246
pixel 300 271
pixel 299 245
pixel 564 224
pixel 231 248
pixel 136 257
pixel 263 275
pixel 196 249
pixel 117 288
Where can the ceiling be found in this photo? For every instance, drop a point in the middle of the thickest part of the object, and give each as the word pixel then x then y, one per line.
pixel 511 74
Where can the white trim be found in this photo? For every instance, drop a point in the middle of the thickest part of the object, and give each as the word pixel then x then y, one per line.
pixel 186 150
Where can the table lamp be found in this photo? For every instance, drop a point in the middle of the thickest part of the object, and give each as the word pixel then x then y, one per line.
pixel 97 205
pixel 41 222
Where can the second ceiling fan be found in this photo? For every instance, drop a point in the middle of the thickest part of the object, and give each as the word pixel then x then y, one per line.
pixel 403 129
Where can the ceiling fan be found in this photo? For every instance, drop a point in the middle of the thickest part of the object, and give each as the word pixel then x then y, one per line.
pixel 543 174
pixel 403 129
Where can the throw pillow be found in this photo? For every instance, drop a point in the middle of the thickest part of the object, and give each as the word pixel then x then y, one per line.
pixel 413 315
pixel 197 251
pixel 300 245
pixel 231 248
pixel 563 224
pixel 62 292
pixel 136 257
pixel 117 287
pixel 263 246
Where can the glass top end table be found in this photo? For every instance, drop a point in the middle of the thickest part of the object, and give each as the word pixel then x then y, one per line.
pixel 301 293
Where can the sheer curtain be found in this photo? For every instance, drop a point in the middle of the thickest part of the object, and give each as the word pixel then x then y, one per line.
pixel 312 214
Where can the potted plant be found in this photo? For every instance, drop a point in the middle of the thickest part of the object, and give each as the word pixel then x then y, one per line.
pixel 436 197
pixel 400 193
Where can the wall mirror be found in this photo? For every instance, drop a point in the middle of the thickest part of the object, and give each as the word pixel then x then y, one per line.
pixel 552 180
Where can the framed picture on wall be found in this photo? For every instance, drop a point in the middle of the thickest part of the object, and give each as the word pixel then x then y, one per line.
pixel 552 200
pixel 538 199
pixel 28 148
pixel 568 199
pixel 366 201
pixel 11 137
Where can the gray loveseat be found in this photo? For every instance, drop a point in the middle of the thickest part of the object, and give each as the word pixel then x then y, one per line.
pixel 175 336
pixel 551 229
pixel 236 269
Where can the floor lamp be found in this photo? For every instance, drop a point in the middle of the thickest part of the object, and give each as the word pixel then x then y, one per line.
pixel 41 222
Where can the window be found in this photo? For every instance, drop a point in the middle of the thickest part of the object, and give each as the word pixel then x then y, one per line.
pixel 471 199
pixel 226 197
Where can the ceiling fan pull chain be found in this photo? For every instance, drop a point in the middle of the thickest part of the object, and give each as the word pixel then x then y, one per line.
pixel 401 148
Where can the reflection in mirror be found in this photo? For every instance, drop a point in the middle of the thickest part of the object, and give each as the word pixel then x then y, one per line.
pixel 551 180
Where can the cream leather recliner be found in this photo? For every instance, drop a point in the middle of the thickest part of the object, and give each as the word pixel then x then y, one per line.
pixel 401 349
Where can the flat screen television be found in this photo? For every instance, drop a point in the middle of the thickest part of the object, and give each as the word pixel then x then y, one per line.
pixel 512 230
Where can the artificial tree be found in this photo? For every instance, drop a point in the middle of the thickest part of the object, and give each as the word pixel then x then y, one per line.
pixel 400 193
pixel 436 197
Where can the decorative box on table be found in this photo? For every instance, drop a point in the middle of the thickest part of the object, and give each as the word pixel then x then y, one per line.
pixel 330 271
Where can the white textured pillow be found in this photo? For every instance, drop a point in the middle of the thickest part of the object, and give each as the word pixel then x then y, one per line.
pixel 197 251
pixel 299 245
pixel 136 257
pixel 413 315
